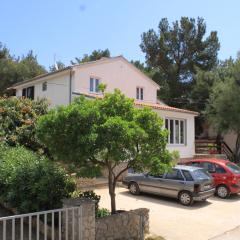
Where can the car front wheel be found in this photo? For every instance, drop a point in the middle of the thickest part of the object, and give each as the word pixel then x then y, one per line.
pixel 133 188
pixel 222 191
pixel 185 198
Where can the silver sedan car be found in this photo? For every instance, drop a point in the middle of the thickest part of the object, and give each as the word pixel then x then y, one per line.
pixel 186 183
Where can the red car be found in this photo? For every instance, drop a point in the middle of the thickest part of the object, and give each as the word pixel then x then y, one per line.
pixel 226 175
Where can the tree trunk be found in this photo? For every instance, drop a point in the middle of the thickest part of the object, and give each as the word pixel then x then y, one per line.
pixel 111 187
pixel 237 151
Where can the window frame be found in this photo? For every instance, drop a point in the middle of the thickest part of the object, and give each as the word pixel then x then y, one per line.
pixel 172 134
pixel 140 93
pixel 95 82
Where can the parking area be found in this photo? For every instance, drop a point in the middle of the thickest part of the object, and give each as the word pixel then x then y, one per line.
pixel 212 219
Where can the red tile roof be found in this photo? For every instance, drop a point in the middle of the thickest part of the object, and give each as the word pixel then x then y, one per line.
pixel 146 104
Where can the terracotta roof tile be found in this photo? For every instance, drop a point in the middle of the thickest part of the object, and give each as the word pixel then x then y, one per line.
pixel 146 104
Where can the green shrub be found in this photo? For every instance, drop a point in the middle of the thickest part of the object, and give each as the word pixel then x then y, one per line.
pixel 103 212
pixel 89 172
pixel 30 182
pixel 89 195
pixel 18 117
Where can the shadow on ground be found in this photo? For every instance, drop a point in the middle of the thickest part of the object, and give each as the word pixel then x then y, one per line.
pixel 170 202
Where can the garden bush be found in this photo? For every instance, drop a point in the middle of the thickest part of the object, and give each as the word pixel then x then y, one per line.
pixel 30 182
pixel 18 117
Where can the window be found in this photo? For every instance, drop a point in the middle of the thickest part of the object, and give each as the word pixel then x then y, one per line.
pixel 139 93
pixel 174 175
pixel 200 174
pixel 210 167
pixel 233 168
pixel 28 92
pixel 44 86
pixel 177 131
pixel 94 83
pixel 187 175
pixel 219 169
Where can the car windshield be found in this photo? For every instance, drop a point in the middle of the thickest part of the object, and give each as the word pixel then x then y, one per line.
pixel 200 174
pixel 233 167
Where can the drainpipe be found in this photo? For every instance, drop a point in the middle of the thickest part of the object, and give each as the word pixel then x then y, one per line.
pixel 70 86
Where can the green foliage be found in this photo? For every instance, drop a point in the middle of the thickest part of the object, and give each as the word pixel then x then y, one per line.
pixel 31 183
pixel 103 212
pixel 89 172
pixel 223 110
pixel 18 118
pixel 106 132
pixel 175 52
pixel 95 55
pixel 91 195
pixel 13 70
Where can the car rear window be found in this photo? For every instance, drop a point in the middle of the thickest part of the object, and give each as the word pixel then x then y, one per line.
pixel 200 174
pixel 233 167
pixel 187 175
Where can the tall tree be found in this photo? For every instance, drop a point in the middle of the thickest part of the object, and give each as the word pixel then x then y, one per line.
pixel 177 51
pixel 13 70
pixel 223 110
pixel 107 132
pixel 95 55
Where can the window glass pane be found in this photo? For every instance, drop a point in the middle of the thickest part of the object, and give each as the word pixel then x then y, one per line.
pixel 30 92
pixel 24 92
pixel 233 167
pixel 141 93
pixel 176 131
pixel 200 174
pixel 182 130
pixel 210 167
pixel 175 175
pixel 44 86
pixel 91 84
pixel 219 169
pixel 96 85
pixel 171 131
pixel 166 123
pixel 187 175
pixel 166 126
pixel 137 93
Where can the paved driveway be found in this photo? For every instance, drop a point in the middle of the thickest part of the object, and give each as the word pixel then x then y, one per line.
pixel 169 219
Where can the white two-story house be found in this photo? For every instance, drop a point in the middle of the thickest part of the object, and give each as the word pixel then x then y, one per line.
pixel 62 86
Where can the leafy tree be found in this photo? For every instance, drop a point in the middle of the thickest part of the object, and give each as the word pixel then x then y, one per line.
pixel 106 132
pixel 177 52
pixel 18 118
pixel 223 110
pixel 13 70
pixel 204 82
pixel 95 55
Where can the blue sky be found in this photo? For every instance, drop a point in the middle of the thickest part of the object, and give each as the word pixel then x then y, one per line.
pixel 70 28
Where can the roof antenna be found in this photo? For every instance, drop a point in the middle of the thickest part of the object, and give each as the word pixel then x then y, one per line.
pixel 55 63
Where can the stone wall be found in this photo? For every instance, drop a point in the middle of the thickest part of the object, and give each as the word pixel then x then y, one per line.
pixel 131 225
pixel 86 219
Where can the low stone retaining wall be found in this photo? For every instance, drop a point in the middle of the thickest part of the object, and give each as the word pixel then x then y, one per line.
pixel 131 225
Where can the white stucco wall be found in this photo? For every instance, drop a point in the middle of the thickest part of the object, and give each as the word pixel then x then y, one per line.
pixel 116 73
pixel 186 150
pixel 57 91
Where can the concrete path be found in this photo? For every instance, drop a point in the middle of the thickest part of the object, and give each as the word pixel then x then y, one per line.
pixel 204 220
pixel 233 234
